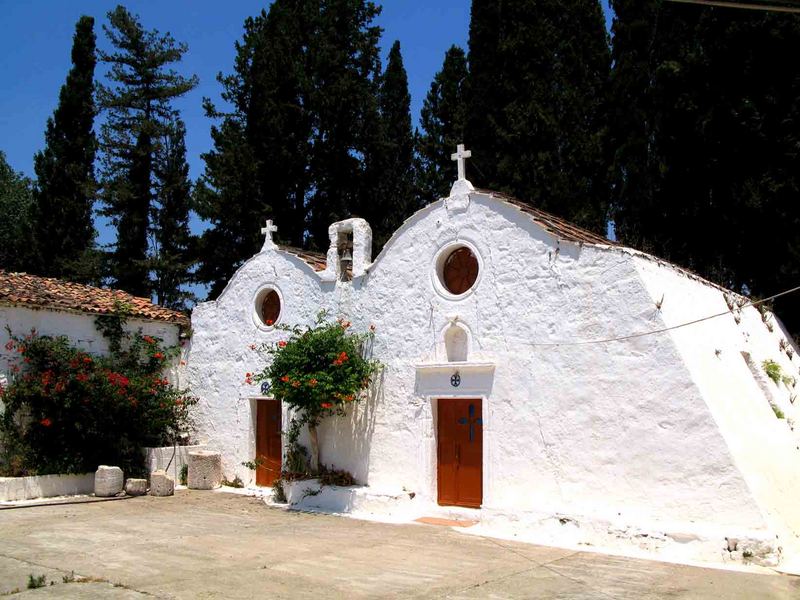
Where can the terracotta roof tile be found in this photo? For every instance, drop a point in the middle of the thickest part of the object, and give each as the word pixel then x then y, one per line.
pixel 45 292
pixel 558 227
pixel 315 260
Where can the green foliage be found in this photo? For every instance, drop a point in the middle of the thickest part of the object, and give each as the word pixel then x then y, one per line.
pixel 139 114
pixel 303 134
pixel 17 243
pixel 67 411
pixel 773 370
pixel 236 482
pixel 443 121
pixel 36 581
pixel 173 252
pixel 338 477
pixel 252 464
pixel 278 493
pixel 183 475
pixel 706 131
pixel 65 189
pixel 537 115
pixel 319 371
pixel 778 412
pixel 393 198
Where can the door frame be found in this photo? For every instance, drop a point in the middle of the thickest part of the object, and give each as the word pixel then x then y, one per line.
pixel 434 446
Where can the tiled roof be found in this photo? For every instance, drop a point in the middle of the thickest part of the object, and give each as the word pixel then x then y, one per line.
pixel 22 289
pixel 315 260
pixel 556 226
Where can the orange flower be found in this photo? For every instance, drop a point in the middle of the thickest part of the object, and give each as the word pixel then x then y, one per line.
pixel 87 360
pixel 326 405
pixel 46 422
pixel 282 344
pixel 10 345
pixel 295 384
pixel 252 346
pixel 158 355
pixel 148 339
pixel 285 378
pixel 312 382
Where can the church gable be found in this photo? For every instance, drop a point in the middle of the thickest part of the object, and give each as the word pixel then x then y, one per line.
pixel 506 332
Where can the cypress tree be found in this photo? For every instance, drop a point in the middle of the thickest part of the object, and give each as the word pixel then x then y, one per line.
pixel 303 137
pixel 173 256
pixel 443 121
pixel 17 242
pixel 707 171
pixel 258 167
pixel 538 72
pixel 65 169
pixel 344 74
pixel 138 112
pixel 395 191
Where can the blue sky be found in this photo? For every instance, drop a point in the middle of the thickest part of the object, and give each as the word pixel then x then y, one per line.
pixel 37 37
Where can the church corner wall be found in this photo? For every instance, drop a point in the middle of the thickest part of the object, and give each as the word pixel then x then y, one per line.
pixel 725 356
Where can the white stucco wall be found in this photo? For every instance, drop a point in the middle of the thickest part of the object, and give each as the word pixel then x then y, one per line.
pixel 623 431
pixel 78 327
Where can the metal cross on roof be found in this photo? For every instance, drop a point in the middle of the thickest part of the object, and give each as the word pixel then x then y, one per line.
pixel 269 230
pixel 460 156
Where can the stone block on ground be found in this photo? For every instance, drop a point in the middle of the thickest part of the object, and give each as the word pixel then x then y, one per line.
pixel 205 470
pixel 161 484
pixel 136 487
pixel 108 481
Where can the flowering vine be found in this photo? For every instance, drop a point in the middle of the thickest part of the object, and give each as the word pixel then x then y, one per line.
pixel 319 372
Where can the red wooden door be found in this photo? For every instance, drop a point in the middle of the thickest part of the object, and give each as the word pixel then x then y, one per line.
pixel 268 441
pixel 460 452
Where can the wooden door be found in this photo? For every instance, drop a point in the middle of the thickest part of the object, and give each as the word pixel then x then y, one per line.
pixel 460 452
pixel 268 441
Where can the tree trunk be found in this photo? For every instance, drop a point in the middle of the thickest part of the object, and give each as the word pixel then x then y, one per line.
pixel 312 434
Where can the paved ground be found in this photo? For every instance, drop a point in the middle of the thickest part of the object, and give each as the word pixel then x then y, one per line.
pixel 207 545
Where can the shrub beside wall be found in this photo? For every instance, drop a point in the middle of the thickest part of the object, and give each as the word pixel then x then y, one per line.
pixel 67 411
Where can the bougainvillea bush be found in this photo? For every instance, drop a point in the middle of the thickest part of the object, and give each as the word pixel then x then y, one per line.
pixel 319 372
pixel 67 411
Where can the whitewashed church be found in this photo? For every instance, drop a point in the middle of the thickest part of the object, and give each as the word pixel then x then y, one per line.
pixel 537 376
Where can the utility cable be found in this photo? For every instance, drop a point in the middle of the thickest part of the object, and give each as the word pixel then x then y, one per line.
pixel 664 329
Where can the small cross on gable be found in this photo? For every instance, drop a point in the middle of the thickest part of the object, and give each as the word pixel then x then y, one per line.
pixel 268 230
pixel 460 156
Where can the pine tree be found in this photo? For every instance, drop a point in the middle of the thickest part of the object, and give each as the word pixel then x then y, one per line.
pixel 138 112
pixel 538 72
pixel 443 121
pixel 395 190
pixel 65 187
pixel 174 246
pixel 17 242
pixel 707 169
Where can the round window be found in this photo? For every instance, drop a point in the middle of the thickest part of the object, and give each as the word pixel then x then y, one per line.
pixel 270 308
pixel 459 271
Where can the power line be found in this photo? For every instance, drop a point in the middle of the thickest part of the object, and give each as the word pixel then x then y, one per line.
pixel 786 7
pixel 663 330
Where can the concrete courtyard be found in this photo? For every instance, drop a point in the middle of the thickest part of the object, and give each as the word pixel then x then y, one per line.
pixel 214 545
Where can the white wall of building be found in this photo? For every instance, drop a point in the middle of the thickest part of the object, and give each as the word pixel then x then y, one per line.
pixel 78 327
pixel 628 431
